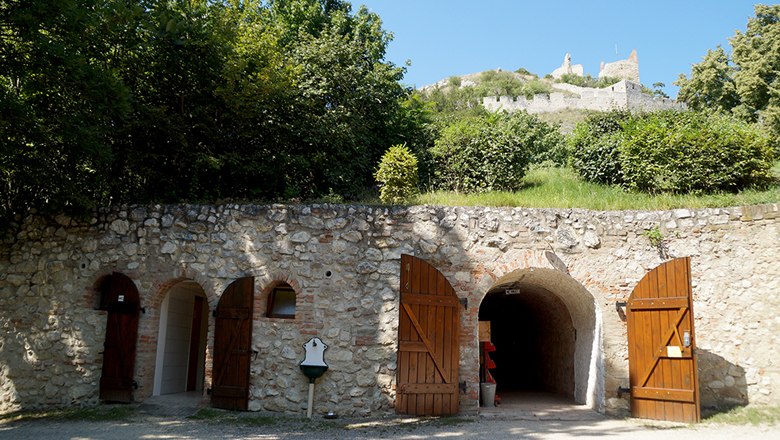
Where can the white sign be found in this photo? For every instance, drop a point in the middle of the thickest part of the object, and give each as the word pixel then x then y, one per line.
pixel 120 298
pixel 512 291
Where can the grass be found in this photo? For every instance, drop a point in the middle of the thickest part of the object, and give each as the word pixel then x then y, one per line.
pixel 562 188
pixel 95 414
pixel 769 415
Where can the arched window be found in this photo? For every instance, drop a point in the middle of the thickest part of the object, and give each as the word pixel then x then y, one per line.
pixel 281 302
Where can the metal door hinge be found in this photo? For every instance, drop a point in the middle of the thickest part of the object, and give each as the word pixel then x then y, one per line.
pixel 462 387
pixel 465 302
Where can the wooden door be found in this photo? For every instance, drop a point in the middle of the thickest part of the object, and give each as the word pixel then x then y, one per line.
pixel 119 297
pixel 193 362
pixel 232 346
pixel 428 341
pixel 662 346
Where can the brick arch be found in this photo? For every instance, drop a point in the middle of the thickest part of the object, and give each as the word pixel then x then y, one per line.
pixel 92 293
pixel 161 288
pixel 264 285
pixel 545 270
pixel 150 326
pixel 492 272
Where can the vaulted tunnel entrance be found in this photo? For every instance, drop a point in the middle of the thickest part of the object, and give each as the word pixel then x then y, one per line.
pixel 534 339
pixel 546 332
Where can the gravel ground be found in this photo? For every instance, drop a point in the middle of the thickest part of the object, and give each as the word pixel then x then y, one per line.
pixel 140 426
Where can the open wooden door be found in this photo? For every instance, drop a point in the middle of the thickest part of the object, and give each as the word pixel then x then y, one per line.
pixel 119 297
pixel 428 341
pixel 233 346
pixel 661 345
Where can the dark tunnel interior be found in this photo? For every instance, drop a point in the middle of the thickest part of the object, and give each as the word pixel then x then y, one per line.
pixel 534 338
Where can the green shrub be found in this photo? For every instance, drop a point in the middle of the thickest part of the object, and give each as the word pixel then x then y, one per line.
pixel 587 80
pixel 536 87
pixel 397 174
pixel 684 152
pixel 491 152
pixel 594 144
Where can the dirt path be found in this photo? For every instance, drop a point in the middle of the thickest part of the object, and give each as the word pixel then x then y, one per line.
pixel 227 426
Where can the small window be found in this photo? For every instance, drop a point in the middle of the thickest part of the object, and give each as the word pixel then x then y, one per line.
pixel 281 302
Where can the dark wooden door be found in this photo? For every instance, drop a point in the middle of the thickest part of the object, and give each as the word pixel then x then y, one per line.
pixel 428 341
pixel 232 346
pixel 193 363
pixel 662 346
pixel 119 297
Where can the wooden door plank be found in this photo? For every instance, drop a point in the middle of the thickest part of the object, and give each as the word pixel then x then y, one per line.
pixel 418 327
pixel 667 366
pixel 671 279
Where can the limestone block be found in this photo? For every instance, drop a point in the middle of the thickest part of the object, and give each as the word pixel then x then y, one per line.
pixel 120 226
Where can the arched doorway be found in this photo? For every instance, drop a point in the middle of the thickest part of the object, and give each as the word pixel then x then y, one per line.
pixel 119 297
pixel 534 338
pixel 545 328
pixel 181 341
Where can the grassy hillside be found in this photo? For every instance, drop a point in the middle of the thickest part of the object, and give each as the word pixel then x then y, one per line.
pixel 562 188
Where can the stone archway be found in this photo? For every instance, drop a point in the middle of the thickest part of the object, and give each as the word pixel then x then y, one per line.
pixel 551 317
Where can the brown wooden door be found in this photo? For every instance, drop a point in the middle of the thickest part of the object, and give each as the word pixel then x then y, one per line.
pixel 662 346
pixel 232 346
pixel 120 297
pixel 193 362
pixel 428 341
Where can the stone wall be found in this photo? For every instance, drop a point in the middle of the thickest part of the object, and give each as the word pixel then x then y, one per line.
pixel 343 263
pixel 627 69
pixel 623 95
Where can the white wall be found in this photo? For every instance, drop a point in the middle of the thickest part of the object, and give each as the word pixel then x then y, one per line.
pixel 174 342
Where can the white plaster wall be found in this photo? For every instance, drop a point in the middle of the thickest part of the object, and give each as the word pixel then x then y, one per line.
pixel 178 325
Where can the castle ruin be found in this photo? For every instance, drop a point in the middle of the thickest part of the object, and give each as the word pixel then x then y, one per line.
pixel 626 95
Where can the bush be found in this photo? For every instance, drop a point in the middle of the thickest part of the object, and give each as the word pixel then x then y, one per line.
pixel 491 152
pixel 397 174
pixel 693 152
pixel 587 81
pixel 594 145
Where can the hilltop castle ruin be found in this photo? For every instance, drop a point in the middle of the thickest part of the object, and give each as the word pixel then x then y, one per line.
pixel 627 94
pixel 627 69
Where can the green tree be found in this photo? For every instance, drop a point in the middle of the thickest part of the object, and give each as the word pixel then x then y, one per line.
pixel 748 83
pixel 711 85
pixel 155 100
pixel 60 101
pixel 756 54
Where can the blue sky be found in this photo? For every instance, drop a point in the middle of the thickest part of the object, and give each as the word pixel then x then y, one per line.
pixel 442 38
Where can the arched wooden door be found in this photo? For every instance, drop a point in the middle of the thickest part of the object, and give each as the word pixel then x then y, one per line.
pixel 233 346
pixel 428 341
pixel 119 297
pixel 661 345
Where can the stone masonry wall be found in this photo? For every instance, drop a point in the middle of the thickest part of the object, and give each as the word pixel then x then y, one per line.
pixel 622 95
pixel 343 262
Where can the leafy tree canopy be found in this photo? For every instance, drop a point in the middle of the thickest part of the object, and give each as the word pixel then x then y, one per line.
pixel 748 82
pixel 158 100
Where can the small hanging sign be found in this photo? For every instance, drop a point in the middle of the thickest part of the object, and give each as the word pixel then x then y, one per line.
pixel 120 298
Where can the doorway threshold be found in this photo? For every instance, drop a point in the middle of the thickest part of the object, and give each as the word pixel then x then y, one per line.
pixel 176 404
pixel 521 405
